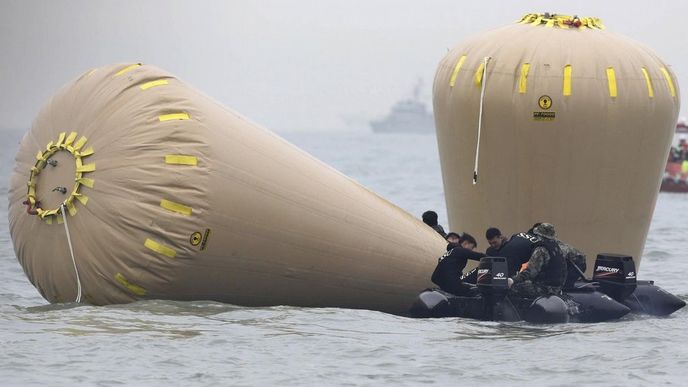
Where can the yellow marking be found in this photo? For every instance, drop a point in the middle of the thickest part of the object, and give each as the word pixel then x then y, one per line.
pixel 670 83
pixel 523 80
pixel 48 220
pixel 611 81
pixel 452 80
pixel 70 139
pixel 60 139
pixel 181 160
pixel 50 144
pixel 648 82
pixel 158 248
pixel 128 68
pixel 479 74
pixel 86 181
pixel 71 209
pixel 150 84
pixel 175 207
pixel 83 199
pixel 567 80
pixel 39 155
pixel 80 143
pixel 139 291
pixel 87 152
pixel 87 168
pixel 173 116
pixel 60 220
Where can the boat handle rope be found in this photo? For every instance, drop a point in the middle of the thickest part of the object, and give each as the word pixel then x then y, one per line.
pixel 71 251
pixel 480 119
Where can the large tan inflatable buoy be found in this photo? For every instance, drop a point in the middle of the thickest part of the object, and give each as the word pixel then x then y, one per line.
pixel 132 185
pixel 555 119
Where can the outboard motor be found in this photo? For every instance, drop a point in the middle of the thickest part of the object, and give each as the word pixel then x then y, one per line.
pixel 615 274
pixel 492 282
pixel 492 277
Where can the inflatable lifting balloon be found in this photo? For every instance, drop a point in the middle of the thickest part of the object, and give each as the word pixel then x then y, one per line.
pixel 555 119
pixel 131 185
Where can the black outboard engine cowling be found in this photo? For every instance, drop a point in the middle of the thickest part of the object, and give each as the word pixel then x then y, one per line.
pixel 615 274
pixel 492 277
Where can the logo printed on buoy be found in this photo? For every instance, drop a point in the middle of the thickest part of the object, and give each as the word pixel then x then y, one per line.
pixel 196 238
pixel 545 102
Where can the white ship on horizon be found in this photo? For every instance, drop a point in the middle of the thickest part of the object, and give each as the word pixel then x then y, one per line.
pixel 409 115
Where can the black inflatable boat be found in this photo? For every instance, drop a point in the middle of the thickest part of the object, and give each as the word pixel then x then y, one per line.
pixel 611 294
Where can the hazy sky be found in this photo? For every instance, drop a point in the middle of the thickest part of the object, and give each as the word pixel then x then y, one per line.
pixel 288 65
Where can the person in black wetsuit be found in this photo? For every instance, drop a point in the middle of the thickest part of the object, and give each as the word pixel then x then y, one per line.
pixel 447 274
pixel 430 218
pixel 496 240
pixel 453 240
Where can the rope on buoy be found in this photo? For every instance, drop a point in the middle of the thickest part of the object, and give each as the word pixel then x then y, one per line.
pixel 71 251
pixel 480 119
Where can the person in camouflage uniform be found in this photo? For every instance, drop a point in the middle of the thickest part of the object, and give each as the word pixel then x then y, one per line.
pixel 573 257
pixel 546 269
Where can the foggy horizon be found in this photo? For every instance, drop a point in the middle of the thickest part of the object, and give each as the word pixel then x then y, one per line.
pixel 289 66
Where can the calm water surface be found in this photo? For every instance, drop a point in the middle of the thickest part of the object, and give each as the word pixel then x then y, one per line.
pixel 205 343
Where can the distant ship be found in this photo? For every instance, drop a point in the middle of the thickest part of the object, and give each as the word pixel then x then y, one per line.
pixel 409 115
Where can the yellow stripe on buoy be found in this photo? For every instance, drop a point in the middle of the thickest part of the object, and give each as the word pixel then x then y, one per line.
pixel 150 84
pixel 60 139
pixel 523 80
pixel 452 80
pixel 158 248
pixel 670 83
pixel 648 82
pixel 139 291
pixel 86 181
pixel 126 69
pixel 87 168
pixel 70 139
pixel 173 116
pixel 80 143
pixel 181 160
pixel 83 199
pixel 611 81
pixel 567 80
pixel 175 207
pixel 71 209
pixel 479 74
pixel 89 151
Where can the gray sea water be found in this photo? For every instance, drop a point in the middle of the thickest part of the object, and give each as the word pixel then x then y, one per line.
pixel 162 343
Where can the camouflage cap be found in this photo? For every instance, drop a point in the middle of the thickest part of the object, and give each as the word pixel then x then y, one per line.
pixel 545 230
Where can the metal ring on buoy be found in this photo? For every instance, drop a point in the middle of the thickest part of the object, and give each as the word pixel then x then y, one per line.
pixel 64 143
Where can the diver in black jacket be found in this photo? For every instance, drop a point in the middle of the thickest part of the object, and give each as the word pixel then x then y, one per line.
pixel 447 274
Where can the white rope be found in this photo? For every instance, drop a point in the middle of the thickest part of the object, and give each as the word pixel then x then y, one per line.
pixel 480 119
pixel 71 251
